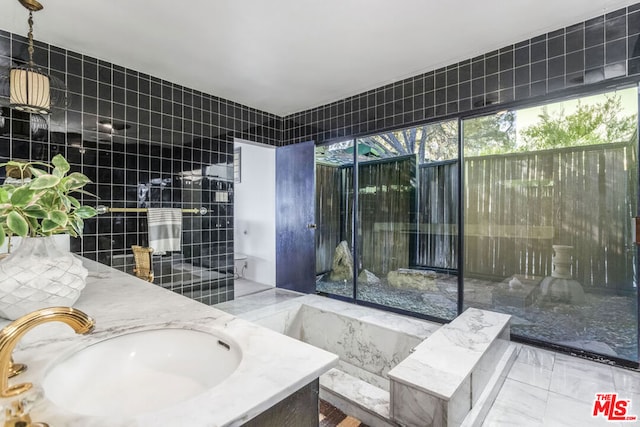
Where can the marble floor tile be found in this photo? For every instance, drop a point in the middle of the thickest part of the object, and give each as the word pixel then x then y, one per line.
pixel 244 287
pixel 563 411
pixel 634 406
pixel 537 357
pixel 626 380
pixel 579 388
pixel 585 368
pixel 533 375
pixel 499 417
pixel 517 404
pixel 580 379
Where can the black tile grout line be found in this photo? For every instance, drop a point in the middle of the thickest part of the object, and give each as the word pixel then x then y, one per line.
pixel 104 91
pixel 163 115
pixel 563 64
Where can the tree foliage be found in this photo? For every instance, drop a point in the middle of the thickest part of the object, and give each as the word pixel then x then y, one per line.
pixel 439 141
pixel 432 142
pixel 493 134
pixel 600 123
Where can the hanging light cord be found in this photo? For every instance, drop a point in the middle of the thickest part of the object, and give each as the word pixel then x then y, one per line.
pixel 30 49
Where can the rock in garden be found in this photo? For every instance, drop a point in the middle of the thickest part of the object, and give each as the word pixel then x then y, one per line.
pixel 342 267
pixel 368 278
pixel 405 278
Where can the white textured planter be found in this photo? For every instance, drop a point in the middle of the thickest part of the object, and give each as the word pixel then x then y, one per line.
pixel 39 274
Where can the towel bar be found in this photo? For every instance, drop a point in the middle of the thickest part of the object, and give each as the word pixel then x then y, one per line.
pixel 104 209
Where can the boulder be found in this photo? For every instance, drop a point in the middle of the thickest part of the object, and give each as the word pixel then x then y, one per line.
pixel 368 278
pixel 342 266
pixel 405 278
pixel 555 289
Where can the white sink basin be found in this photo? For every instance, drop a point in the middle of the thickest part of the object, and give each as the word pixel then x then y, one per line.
pixel 141 372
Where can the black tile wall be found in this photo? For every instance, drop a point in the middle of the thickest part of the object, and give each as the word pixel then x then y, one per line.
pixel 162 130
pixel 136 137
pixel 602 48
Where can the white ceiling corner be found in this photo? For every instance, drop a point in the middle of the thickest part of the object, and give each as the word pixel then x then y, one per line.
pixel 284 56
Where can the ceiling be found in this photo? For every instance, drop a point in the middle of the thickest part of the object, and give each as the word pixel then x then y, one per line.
pixel 284 56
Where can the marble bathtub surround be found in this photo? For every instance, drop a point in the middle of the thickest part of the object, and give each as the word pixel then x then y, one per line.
pixel 369 342
pixel 447 374
pixel 273 366
pixel 269 301
pixel 525 398
pixel 356 397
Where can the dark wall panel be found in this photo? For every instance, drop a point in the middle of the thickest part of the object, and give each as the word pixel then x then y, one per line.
pixel 142 141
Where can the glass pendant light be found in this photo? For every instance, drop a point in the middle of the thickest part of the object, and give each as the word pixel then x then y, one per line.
pixel 30 88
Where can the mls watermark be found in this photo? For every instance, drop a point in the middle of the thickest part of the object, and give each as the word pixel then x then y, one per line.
pixel 612 408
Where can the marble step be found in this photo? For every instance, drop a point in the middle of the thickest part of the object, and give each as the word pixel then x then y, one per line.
pixel 483 403
pixel 355 397
pixel 447 374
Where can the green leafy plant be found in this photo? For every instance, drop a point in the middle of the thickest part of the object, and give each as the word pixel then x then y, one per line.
pixel 601 123
pixel 37 201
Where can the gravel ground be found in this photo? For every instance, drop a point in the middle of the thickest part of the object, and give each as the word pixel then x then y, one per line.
pixel 605 324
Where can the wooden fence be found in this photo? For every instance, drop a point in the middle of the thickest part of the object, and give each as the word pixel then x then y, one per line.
pixel 385 199
pixel 437 228
pixel 516 206
pixel 329 214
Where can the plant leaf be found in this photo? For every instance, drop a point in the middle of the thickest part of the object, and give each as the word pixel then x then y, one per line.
pixel 34 211
pixel 79 225
pixel 33 222
pixel 42 206
pixel 48 226
pixel 76 180
pixel 22 196
pixel 17 224
pixel 37 172
pixel 1 235
pixel 47 201
pixel 76 227
pixel 74 202
pixel 85 212
pixel 58 217
pixel 86 192
pixel 44 181
pixel 60 163
pixel 65 201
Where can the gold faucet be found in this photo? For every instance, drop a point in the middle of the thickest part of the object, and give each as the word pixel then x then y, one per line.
pixel 11 334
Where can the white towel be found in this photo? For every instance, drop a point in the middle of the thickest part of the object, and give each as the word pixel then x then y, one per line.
pixel 165 229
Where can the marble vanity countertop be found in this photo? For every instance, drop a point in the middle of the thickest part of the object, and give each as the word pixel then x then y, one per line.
pixel 273 365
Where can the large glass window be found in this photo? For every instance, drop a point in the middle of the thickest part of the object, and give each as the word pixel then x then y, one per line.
pixel 334 196
pixel 550 194
pixel 406 219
